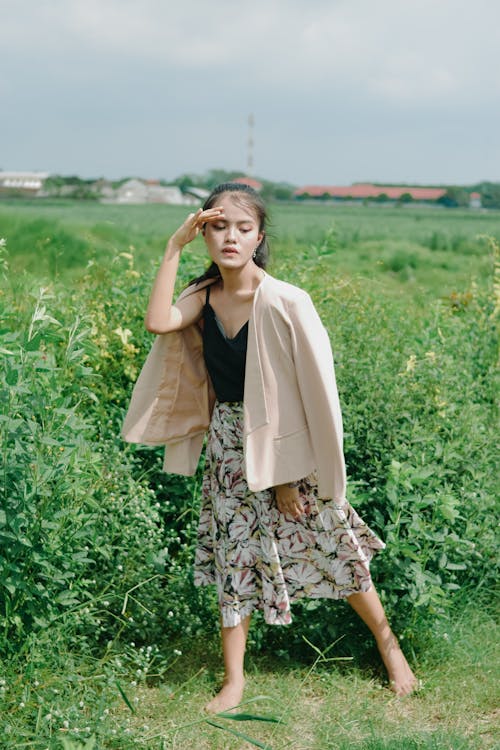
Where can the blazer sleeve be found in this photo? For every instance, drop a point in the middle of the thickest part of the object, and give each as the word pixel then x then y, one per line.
pixel 313 358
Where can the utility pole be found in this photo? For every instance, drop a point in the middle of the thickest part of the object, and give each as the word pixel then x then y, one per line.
pixel 251 123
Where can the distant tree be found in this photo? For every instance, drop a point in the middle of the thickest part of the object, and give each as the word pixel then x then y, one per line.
pixel 455 197
pixel 405 198
pixel 186 181
pixel 216 176
pixel 283 192
pixel 273 191
pixel 54 181
pixel 208 180
pixel 490 195
pixel 382 198
pixel 71 186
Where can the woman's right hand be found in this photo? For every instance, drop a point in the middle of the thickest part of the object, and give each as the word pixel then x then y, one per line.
pixel 193 226
pixel 288 500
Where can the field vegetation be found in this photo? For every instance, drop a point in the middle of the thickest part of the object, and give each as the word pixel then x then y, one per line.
pixel 105 641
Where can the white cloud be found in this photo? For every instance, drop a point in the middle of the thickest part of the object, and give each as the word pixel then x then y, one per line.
pixel 322 76
pixel 389 46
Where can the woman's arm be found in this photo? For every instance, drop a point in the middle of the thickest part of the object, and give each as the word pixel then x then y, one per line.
pixel 161 315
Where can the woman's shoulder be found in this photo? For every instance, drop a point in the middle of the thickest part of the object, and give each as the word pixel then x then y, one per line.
pixel 276 289
pixel 198 288
pixel 289 302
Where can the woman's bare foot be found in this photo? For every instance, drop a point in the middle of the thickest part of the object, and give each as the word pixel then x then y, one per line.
pixel 229 696
pixel 401 679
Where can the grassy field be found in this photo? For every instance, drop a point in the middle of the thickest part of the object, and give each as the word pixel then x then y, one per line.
pixel 331 707
pixel 105 643
pixel 420 251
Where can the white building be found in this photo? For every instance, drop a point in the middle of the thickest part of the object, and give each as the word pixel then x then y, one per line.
pixel 30 183
pixel 150 191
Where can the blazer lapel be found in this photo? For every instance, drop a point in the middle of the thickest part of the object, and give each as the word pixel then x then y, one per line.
pixel 255 406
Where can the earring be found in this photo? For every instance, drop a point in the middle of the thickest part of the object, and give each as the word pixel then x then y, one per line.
pixel 254 254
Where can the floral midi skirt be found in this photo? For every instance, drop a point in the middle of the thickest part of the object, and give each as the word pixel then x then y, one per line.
pixel 260 558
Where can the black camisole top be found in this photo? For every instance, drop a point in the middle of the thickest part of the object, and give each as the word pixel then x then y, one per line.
pixel 225 358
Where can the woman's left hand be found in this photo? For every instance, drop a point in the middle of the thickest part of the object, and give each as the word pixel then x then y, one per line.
pixel 193 225
pixel 288 500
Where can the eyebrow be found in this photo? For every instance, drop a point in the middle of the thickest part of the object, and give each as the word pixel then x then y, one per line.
pixel 240 221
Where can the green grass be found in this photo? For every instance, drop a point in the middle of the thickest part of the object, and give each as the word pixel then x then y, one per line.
pixel 419 251
pixel 331 706
pixel 320 705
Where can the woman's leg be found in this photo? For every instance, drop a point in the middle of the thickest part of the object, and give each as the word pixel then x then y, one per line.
pixel 233 648
pixel 369 607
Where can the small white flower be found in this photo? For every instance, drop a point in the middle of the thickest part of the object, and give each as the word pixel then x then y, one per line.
pixel 177 652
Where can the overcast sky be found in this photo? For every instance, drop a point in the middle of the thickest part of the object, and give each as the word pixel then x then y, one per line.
pixel 341 90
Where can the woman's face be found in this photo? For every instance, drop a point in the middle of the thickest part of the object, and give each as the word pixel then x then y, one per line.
pixel 233 236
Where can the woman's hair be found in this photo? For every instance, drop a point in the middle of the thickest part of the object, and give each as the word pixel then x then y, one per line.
pixel 245 196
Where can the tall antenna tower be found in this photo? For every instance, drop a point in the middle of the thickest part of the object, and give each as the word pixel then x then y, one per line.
pixel 251 123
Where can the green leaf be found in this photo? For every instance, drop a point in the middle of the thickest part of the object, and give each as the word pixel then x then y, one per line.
pixel 124 696
pixel 240 735
pixel 33 344
pixel 249 717
pixel 12 377
pixel 67 598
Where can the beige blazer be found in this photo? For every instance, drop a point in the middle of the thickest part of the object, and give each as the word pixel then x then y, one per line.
pixel 292 418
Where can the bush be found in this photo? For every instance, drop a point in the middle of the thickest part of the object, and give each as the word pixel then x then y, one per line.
pixel 76 529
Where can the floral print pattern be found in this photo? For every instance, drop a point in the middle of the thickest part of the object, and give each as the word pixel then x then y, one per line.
pixel 260 558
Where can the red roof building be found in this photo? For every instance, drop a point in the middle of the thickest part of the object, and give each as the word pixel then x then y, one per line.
pixel 255 184
pixel 366 191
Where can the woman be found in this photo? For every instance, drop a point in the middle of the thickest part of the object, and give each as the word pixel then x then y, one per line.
pixel 246 356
